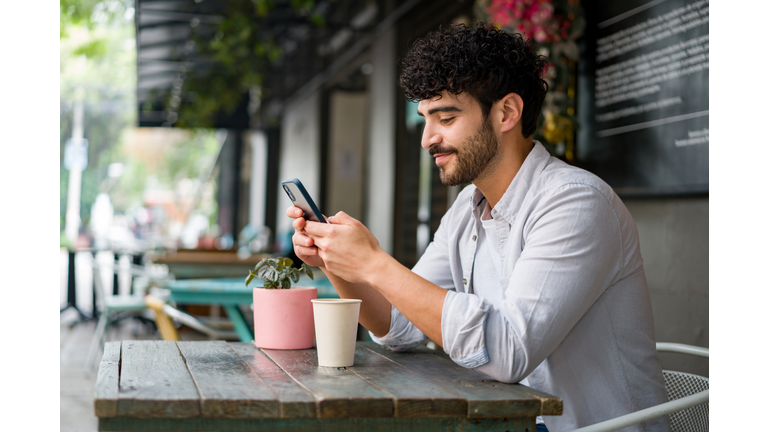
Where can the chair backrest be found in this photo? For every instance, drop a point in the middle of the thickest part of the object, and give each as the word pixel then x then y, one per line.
pixel 679 385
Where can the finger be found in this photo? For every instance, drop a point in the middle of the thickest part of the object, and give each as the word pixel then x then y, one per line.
pixel 305 251
pixel 342 218
pixel 321 253
pixel 317 229
pixel 322 244
pixel 298 224
pixel 294 212
pixel 302 240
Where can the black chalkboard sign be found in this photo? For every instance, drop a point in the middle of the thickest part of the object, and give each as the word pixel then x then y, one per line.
pixel 644 95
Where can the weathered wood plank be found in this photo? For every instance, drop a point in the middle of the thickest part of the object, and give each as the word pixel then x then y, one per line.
pixel 414 395
pixel 227 385
pixel 105 393
pixel 399 424
pixel 338 392
pixel 550 405
pixel 294 400
pixel 155 382
pixel 486 398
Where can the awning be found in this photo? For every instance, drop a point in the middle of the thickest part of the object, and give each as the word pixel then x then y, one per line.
pixel 166 31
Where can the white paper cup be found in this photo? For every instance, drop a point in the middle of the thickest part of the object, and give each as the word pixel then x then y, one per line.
pixel 336 331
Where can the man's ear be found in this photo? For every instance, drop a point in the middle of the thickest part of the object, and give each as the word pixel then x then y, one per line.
pixel 510 111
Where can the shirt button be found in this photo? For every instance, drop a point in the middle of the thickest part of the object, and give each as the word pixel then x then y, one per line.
pixel 474 238
pixel 465 281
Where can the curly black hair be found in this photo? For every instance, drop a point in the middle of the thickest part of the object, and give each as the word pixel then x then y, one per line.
pixel 481 60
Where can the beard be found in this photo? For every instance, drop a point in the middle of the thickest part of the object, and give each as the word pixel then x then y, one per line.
pixel 476 154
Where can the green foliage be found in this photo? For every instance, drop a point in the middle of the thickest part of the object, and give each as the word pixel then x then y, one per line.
pixel 93 49
pixel 74 13
pixel 97 67
pixel 242 51
pixel 106 84
pixel 64 242
pixel 91 14
pixel 263 7
pixel 277 273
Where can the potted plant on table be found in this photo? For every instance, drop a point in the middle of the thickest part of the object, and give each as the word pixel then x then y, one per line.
pixel 282 313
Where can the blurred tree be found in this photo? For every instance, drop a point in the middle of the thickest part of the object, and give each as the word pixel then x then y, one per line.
pixel 98 67
pixel 91 14
pixel 241 50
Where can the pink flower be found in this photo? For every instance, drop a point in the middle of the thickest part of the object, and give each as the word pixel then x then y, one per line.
pixel 500 11
pixel 532 17
pixel 541 13
pixel 501 18
pixel 539 34
pixel 517 12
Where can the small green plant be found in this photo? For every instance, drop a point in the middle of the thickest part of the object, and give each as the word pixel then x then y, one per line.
pixel 277 273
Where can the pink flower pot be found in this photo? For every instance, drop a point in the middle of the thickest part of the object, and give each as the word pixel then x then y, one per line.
pixel 283 319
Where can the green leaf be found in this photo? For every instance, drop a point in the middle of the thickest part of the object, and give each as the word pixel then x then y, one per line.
pixel 317 19
pixel 261 264
pixel 250 277
pixel 262 273
pixel 278 273
pixel 308 271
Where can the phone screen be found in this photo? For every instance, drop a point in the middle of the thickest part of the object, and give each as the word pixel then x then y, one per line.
pixel 301 199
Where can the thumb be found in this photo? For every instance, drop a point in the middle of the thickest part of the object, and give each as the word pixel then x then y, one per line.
pixel 342 218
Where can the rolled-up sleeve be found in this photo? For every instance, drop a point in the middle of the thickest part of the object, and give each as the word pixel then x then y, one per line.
pixel 465 317
pixel 434 266
pixel 572 252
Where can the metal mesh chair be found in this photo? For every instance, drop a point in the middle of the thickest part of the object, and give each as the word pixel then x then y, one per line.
pixel 680 385
pixel 688 394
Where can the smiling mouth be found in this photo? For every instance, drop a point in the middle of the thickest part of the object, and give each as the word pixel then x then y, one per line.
pixel 441 157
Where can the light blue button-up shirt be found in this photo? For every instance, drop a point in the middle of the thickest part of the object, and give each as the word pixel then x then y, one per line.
pixel 548 290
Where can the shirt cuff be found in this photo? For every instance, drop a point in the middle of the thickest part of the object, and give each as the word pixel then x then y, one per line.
pixel 475 360
pixel 463 327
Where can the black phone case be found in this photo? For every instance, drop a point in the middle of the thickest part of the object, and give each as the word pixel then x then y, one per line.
pixel 311 209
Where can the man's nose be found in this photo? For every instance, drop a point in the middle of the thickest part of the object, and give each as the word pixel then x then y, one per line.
pixel 429 137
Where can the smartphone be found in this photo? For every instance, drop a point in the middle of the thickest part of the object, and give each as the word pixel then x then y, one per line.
pixel 301 199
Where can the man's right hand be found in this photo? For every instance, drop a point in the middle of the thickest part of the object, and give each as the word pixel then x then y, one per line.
pixel 375 311
pixel 303 245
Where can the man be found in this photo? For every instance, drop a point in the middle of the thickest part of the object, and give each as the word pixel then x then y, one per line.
pixel 535 273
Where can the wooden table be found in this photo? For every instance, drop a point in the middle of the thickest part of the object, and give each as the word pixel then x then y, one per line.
pixel 232 292
pixel 220 386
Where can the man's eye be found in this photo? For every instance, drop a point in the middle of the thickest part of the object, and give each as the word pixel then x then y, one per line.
pixel 446 120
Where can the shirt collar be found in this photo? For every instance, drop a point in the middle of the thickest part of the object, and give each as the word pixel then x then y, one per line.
pixel 512 199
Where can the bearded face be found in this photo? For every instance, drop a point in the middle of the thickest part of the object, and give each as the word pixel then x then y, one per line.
pixel 476 154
